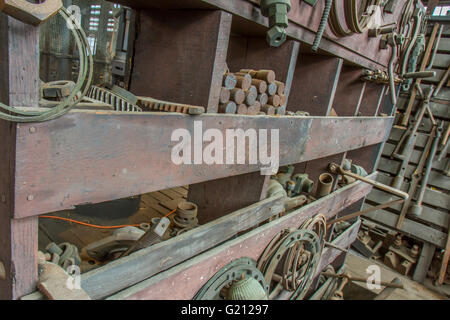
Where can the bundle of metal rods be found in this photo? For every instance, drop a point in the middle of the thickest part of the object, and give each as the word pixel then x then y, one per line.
pixel 252 92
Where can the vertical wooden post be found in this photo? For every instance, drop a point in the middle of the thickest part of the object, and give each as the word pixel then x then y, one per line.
pixel 314 88
pixel 181 56
pixel 19 86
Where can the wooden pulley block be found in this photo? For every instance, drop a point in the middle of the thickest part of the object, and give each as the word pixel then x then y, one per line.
pixel 31 13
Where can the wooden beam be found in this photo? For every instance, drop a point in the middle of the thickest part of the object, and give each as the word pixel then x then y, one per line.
pixel 91 157
pixel 424 263
pixel 180 56
pixel 411 228
pixel 304 22
pixel 19 85
pixel 203 267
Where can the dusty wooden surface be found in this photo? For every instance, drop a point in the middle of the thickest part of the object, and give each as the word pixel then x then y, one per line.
pixel 18 86
pixel 79 158
pixel 356 266
pixel 187 53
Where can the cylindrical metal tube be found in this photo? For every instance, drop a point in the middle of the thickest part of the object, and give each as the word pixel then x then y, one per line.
pixel 416 209
pixel 325 185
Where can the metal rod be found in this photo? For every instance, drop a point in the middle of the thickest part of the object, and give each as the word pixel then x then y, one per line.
pixel 329 244
pixel 363 212
pixel 359 279
pixel 334 168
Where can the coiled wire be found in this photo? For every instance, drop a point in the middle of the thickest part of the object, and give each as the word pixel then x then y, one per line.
pixel 322 26
pixel 80 90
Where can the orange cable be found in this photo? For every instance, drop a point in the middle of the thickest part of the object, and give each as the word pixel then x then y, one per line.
pixel 170 213
pixel 98 227
pixel 88 224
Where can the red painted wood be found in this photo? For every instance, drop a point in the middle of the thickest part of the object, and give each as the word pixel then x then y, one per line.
pixel 180 56
pixel 98 156
pixel 304 22
pixel 195 273
pixel 19 87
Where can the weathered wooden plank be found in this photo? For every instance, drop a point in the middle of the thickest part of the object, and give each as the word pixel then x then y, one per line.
pixel 411 228
pixel 316 95
pixel 312 93
pixel 349 93
pixel 436 178
pixel 397 133
pixel 432 197
pixel 201 268
pixel 99 156
pixel 188 56
pixel 439 110
pixel 216 198
pixel 441 61
pixel 19 85
pixel 423 265
pixel 415 157
pixel 141 265
pixel 444 45
pixel 430 215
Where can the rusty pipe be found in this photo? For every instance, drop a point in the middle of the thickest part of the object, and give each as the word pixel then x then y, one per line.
pixel 336 169
pixel 325 185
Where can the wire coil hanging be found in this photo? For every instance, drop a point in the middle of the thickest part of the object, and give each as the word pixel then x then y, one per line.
pixel 81 88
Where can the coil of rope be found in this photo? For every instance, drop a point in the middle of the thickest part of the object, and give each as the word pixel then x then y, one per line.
pixel 80 90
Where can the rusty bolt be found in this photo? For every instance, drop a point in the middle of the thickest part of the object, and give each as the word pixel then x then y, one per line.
pixel 2 271
pixel 32 130
pixel 30 197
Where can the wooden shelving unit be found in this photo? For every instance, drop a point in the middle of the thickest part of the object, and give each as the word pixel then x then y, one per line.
pixel 96 156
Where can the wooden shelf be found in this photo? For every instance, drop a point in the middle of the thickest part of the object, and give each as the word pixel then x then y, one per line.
pixel 134 269
pixel 91 157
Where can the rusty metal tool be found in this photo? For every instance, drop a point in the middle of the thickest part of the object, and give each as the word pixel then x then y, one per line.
pixel 336 169
pixel 363 212
pixel 416 209
pixel 387 291
pixel 330 245
pixel 415 178
pixel 408 141
pixel 445 258
pixel 325 185
pixel 441 83
pixel 420 75
pixel 31 13
pixel 425 59
pixel 445 142
pixel 159 105
pixel 151 236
